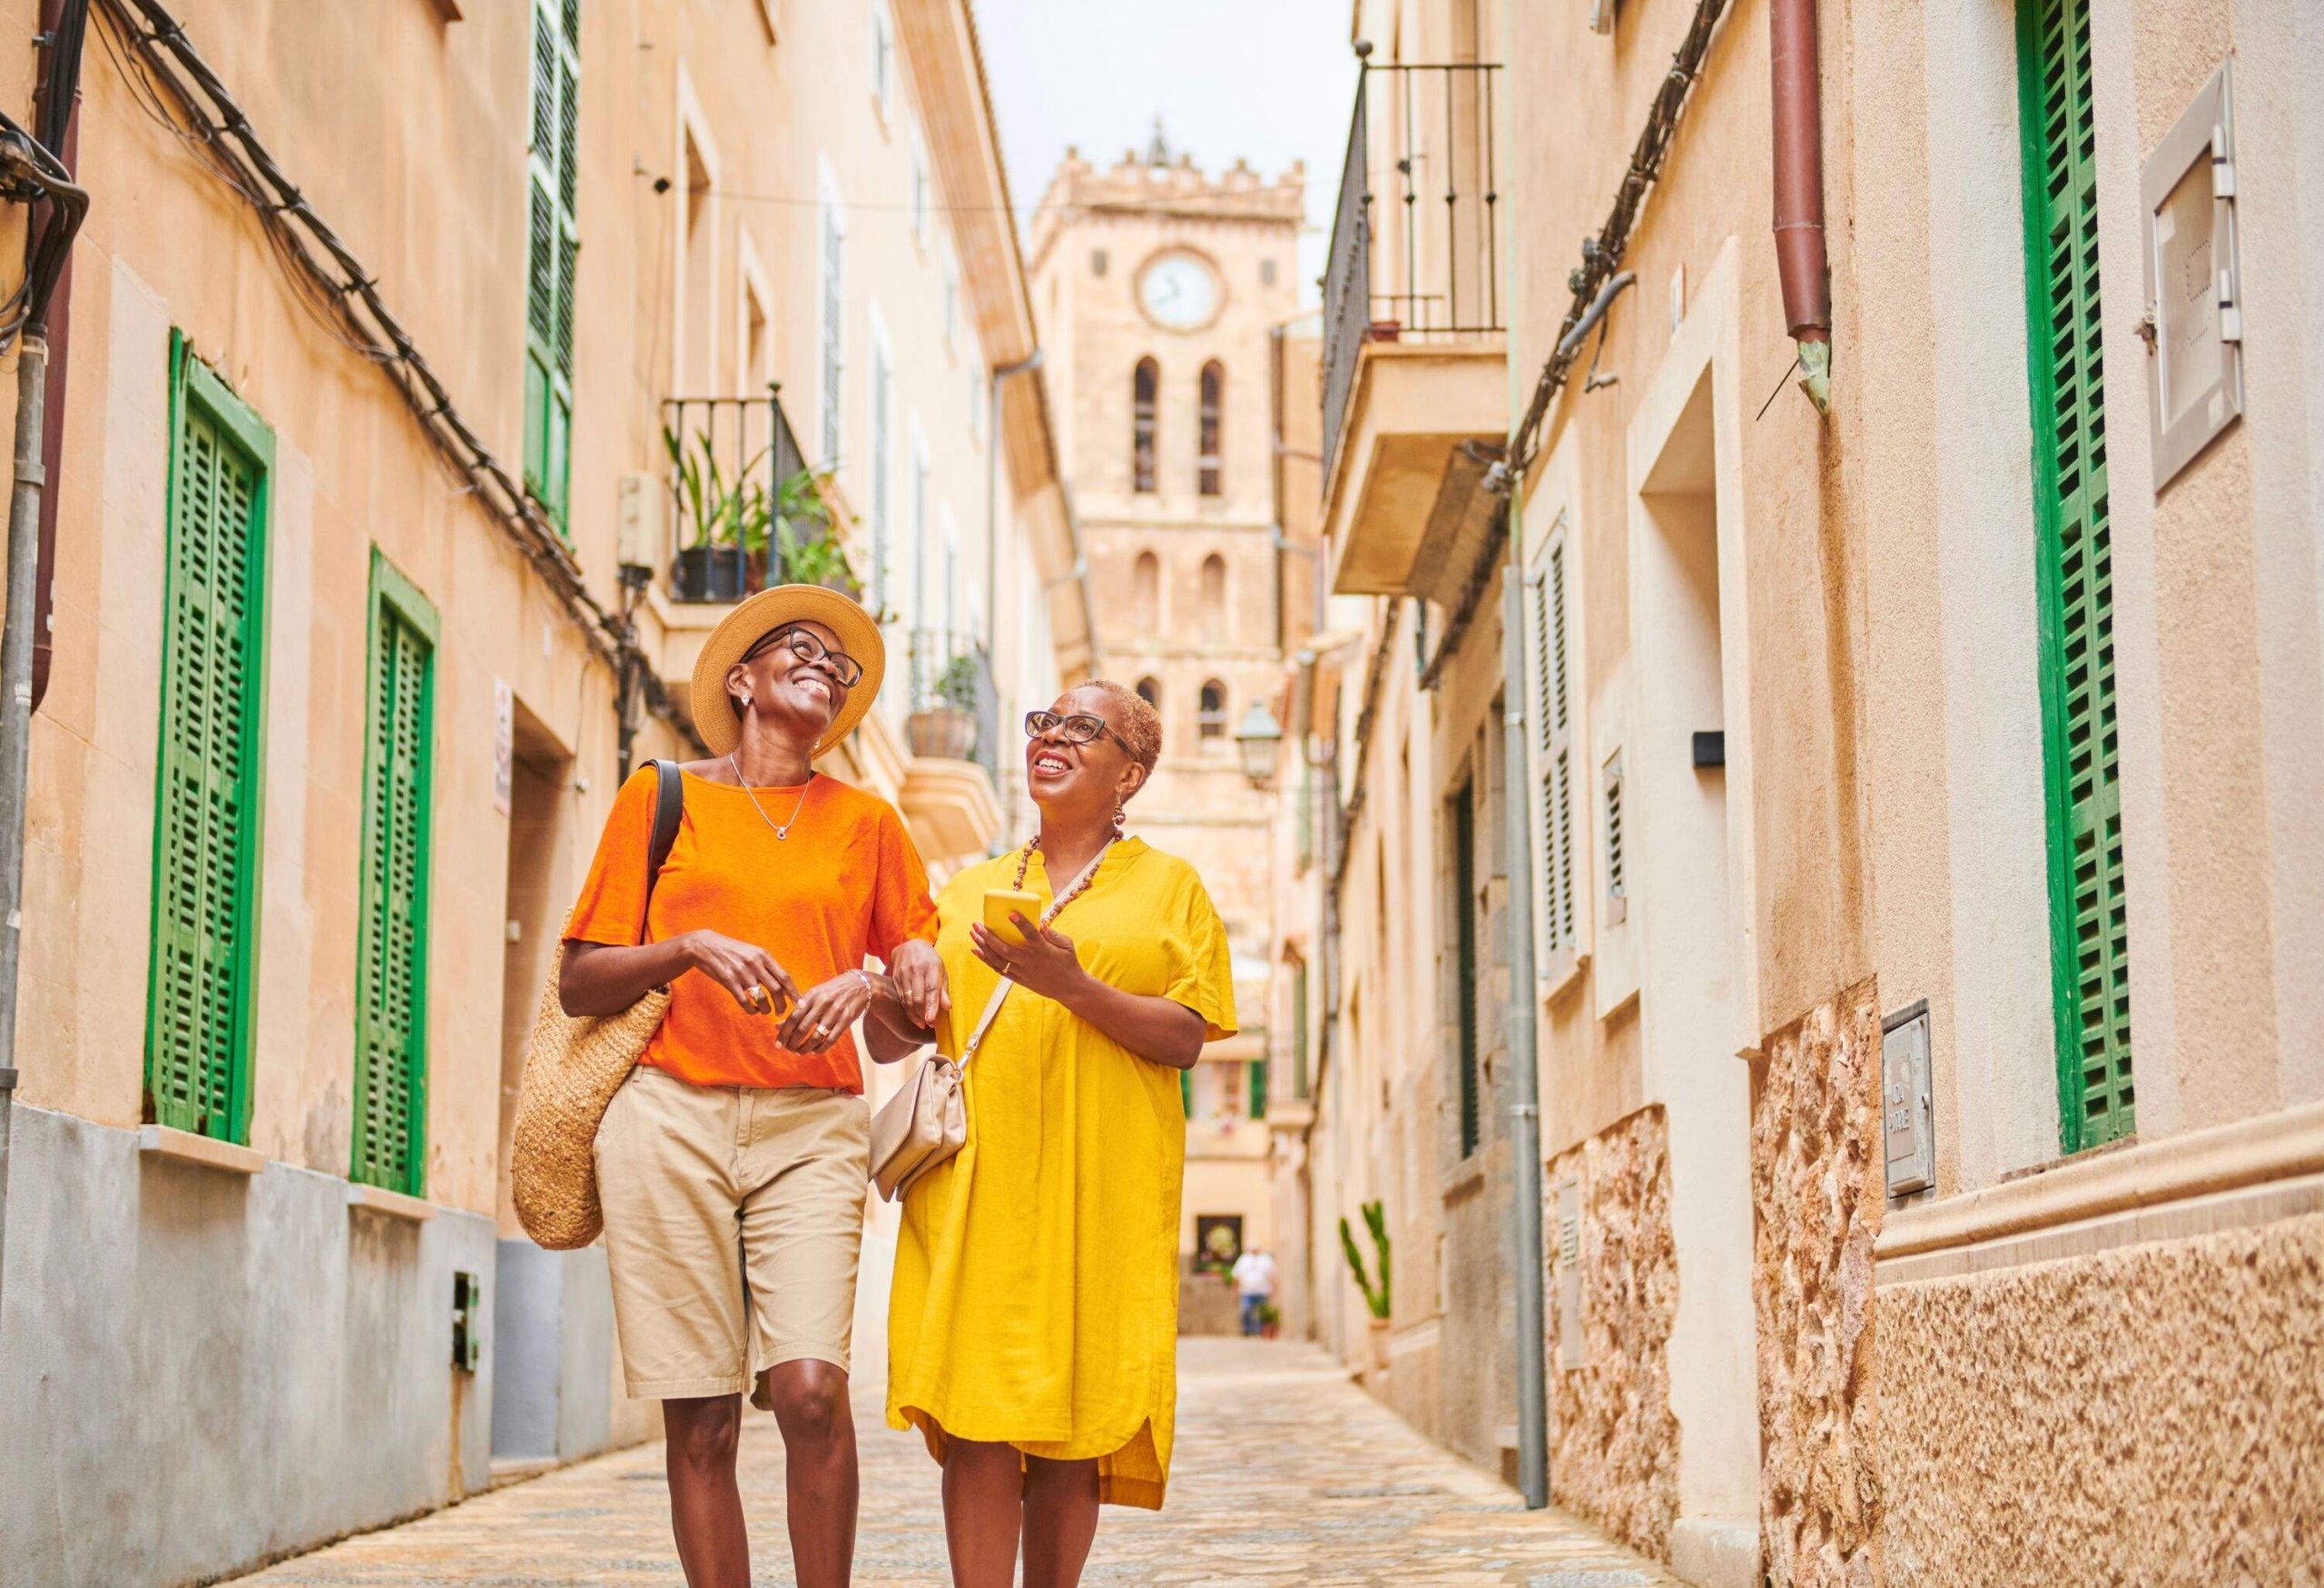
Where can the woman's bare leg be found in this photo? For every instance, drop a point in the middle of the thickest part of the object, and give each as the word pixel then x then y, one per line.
pixel 810 1405
pixel 984 1511
pixel 1061 1520
pixel 705 1507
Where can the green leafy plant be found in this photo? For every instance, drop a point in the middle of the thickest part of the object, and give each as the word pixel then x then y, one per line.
pixel 738 513
pixel 1375 1219
pixel 956 686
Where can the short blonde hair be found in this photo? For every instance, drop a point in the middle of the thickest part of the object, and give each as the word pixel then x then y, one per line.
pixel 1141 729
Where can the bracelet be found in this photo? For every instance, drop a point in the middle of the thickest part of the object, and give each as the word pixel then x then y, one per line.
pixel 868 987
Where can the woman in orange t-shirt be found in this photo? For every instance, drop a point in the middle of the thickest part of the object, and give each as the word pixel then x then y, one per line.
pixel 731 1164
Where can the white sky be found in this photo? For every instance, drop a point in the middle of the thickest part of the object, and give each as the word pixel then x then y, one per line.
pixel 1272 80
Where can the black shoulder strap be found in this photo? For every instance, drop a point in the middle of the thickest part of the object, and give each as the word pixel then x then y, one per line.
pixel 669 803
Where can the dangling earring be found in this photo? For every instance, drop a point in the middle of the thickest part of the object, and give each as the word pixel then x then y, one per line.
pixel 1121 814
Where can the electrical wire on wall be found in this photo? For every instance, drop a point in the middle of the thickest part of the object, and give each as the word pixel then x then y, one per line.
pixel 173 83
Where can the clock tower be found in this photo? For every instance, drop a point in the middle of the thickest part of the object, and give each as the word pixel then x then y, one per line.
pixel 1161 290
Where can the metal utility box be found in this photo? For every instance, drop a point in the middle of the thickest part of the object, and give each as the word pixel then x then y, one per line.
pixel 467 1308
pixel 1908 1125
pixel 2193 286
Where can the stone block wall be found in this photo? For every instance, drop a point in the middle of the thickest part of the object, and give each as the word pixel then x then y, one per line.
pixel 1614 1441
pixel 2147 1416
pixel 1818 1190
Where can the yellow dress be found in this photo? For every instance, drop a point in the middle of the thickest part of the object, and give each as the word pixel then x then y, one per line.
pixel 1036 1298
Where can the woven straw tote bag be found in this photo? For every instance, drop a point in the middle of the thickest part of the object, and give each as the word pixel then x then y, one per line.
pixel 573 1066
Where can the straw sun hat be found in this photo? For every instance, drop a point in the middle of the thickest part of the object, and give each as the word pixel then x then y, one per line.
pixel 753 620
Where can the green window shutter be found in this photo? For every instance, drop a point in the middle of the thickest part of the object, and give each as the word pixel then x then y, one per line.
pixel 1258 1088
pixel 2089 919
pixel 552 250
pixel 1299 1030
pixel 206 815
pixel 391 951
pixel 1464 910
pixel 1187 1093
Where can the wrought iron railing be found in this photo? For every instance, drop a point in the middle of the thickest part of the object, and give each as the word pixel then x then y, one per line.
pixel 744 513
pixel 1416 234
pixel 955 703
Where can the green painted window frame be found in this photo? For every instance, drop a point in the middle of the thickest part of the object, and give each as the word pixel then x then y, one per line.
pixel 395 603
pixel 1468 1077
pixel 197 396
pixel 2089 941
pixel 552 254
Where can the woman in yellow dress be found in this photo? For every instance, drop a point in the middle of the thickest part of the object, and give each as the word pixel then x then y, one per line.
pixel 1033 1330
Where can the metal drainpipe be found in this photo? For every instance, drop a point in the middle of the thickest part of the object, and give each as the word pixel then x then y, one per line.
pixel 1524 1057
pixel 17 711
pixel 1800 193
pixel 65 25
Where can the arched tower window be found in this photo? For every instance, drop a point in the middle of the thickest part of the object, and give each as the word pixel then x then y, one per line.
pixel 1214 398
pixel 1144 387
pixel 1146 593
pixel 1149 690
pixel 1213 600
pixel 1210 717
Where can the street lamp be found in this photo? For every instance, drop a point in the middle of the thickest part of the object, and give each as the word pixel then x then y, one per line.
pixel 1255 743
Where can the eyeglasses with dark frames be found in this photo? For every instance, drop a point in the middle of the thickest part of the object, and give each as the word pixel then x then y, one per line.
pixel 1080 728
pixel 808 648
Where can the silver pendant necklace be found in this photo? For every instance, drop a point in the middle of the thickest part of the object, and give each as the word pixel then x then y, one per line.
pixel 782 831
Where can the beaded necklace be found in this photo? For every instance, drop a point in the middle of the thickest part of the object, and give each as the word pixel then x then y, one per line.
pixel 1080 886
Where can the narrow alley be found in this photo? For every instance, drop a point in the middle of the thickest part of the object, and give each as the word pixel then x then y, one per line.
pixel 1286 1473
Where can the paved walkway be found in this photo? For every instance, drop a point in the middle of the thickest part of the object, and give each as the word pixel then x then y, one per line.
pixel 1285 1474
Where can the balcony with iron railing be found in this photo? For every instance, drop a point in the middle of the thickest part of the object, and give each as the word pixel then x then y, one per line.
pixel 746 511
pixel 952 788
pixel 1413 329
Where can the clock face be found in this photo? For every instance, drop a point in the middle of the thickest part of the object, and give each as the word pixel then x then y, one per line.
pixel 1178 291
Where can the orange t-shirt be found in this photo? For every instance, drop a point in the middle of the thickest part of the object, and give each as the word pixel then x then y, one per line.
pixel 846 884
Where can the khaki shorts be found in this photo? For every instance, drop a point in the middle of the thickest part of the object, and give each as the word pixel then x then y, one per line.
pixel 734 1217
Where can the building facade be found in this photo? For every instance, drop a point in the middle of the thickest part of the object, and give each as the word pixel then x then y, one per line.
pixel 348 667
pixel 1914 810
pixel 1159 288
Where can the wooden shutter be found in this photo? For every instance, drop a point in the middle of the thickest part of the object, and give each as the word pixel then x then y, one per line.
pixel 1465 908
pixel 391 953
pixel 2089 922
pixel 1550 662
pixel 1258 1079
pixel 206 816
pixel 553 243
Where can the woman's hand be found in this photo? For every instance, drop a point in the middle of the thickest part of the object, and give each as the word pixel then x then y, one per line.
pixel 823 1014
pixel 1046 964
pixel 918 974
pixel 756 978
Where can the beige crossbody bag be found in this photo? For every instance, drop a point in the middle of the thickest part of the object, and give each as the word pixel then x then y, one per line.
pixel 927 1122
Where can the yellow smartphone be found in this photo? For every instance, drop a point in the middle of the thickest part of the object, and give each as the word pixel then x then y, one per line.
pixel 999 902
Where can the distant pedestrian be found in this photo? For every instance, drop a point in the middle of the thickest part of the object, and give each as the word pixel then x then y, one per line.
pixel 1254 1274
pixel 732 1162
pixel 1033 1332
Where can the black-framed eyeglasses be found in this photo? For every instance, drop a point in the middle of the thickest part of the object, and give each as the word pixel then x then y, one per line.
pixel 808 648
pixel 1080 728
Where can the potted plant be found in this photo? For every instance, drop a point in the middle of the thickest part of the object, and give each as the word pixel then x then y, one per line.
pixel 1375 1298
pixel 1270 1320
pixel 947 727
pixel 808 546
pixel 725 554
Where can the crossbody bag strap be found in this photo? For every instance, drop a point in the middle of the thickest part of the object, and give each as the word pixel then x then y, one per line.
pixel 669 806
pixel 1000 993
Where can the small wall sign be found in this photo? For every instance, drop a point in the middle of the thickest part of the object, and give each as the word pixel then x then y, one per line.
pixel 2195 376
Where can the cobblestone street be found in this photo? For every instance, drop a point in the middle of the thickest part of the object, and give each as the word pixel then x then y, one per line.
pixel 1285 1473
